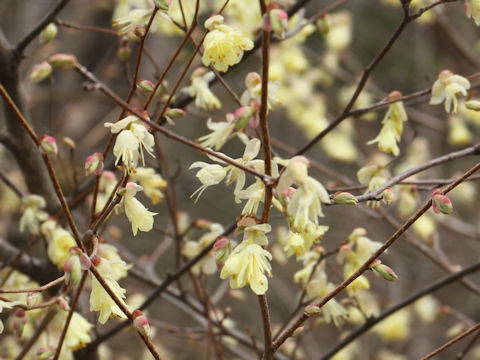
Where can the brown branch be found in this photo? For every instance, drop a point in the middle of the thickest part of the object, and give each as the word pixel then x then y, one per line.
pixel 452 342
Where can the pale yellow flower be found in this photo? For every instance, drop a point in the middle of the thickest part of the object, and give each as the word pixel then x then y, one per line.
pixel 221 133
pixel 151 182
pixel 119 267
pixel 209 174
pixel 396 327
pixel 132 138
pixel 392 128
pixel 247 266
pixel 59 245
pixel 447 88
pixel 138 215
pixel 99 298
pixel 200 89
pixel 224 46
pixel 472 9
pixel 32 213
pixel 77 335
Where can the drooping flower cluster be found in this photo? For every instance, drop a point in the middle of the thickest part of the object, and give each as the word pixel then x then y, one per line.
pixel 248 262
pixel 59 240
pixel 392 128
pixel 132 138
pixel 224 46
pixel 100 300
pixel 302 205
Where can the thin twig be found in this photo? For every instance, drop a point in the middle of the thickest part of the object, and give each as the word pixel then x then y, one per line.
pixel 452 342
pixel 22 44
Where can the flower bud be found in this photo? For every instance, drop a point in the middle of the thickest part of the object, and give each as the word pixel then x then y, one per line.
pixel 124 53
pixel 162 4
pixel 69 142
pixel 441 203
pixel 203 224
pixel 383 271
pixel 140 322
pixel 473 105
pixel 297 331
pixel 388 196
pixel 146 85
pixel 94 164
pixel 63 61
pixel 175 113
pixel 279 22
pixel 63 303
pixel 33 298
pixel 40 72
pixel 312 310
pixel 48 145
pixel 49 33
pixel 243 116
pixel 19 321
pixel 45 353
pixel 139 31
pixel 223 249
pixel 73 269
pixel 344 198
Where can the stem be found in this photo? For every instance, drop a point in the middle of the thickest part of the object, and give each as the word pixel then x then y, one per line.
pixel 39 289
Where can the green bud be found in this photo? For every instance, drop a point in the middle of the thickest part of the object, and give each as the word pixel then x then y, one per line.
pixel 49 33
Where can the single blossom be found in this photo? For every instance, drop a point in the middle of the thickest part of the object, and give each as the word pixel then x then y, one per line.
pixel 138 215
pixel 447 88
pixel 100 300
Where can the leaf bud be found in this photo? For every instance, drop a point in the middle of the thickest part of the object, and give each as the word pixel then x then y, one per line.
pixel 40 72
pixel 344 198
pixel 383 271
pixel 48 145
pixel 49 33
pixel 63 61
pixel 441 203
pixel 94 164
pixel 140 322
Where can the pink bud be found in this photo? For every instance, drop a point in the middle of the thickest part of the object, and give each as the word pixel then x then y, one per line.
pixel 243 116
pixel 139 31
pixel 19 321
pixel 95 260
pixel 203 224
pixel 140 322
pixel 344 198
pixel 94 164
pixel 146 85
pixel 48 145
pixel 441 203
pixel 279 22
pixel 223 249
pixel 162 4
pixel 40 71
pixel 388 196
pixel 383 271
pixel 63 61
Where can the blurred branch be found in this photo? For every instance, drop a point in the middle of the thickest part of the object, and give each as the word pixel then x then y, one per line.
pixel 22 44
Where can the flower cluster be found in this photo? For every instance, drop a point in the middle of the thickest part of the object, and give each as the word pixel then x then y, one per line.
pixel 200 89
pixel 33 214
pixel 392 128
pixel 224 46
pixel 248 261
pixel 137 214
